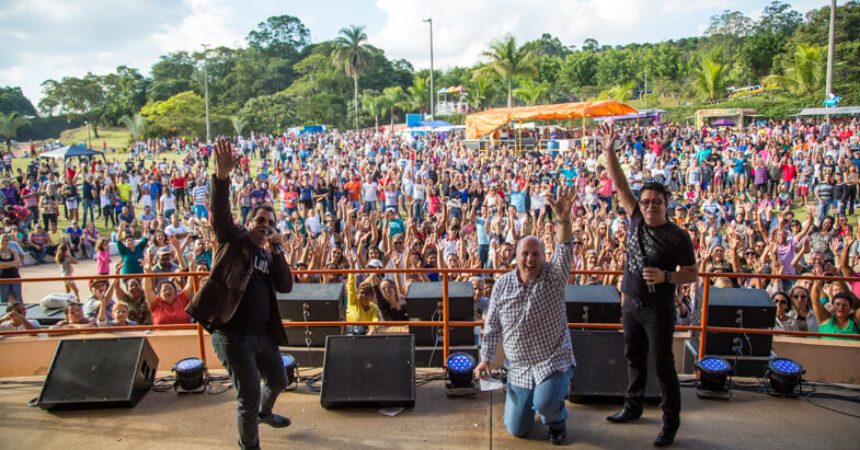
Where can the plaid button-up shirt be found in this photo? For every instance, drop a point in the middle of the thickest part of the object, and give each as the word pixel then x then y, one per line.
pixel 532 318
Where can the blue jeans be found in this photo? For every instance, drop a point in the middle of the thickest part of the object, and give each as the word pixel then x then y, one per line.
pixel 88 205
pixel 823 209
pixel 13 290
pixel 247 359
pixel 547 399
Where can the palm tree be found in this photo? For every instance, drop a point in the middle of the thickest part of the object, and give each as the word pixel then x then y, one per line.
pixel 9 125
pixel 395 98
pixel 620 92
pixel 134 124
pixel 805 72
pixel 239 124
pixel 480 91
pixel 531 92
pixel 511 61
pixel 352 50
pixel 711 79
pixel 418 94
pixel 374 106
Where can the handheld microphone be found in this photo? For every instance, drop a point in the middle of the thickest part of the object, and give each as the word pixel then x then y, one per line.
pixel 277 248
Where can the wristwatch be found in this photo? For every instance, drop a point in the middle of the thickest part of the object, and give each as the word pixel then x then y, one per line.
pixel 668 275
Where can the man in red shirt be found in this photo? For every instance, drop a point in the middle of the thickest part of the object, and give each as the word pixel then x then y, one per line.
pixel 354 189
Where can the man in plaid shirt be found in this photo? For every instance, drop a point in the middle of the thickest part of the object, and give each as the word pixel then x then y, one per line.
pixel 527 308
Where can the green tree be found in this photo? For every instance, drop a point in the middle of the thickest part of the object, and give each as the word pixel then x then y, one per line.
pixel 240 123
pixel 80 97
pixel 9 125
pixel 579 69
pixel 779 18
pixel 353 52
pixel 531 92
pixel 135 125
pixel 511 61
pixel 620 92
pixel 757 53
pixel 373 105
pixel 805 72
pixel 418 95
pixel 616 67
pixel 395 98
pixel 180 115
pixel 590 45
pixel 549 45
pixel 283 36
pixel 12 99
pixel 125 93
pixel 172 74
pixel 271 113
pixel 711 79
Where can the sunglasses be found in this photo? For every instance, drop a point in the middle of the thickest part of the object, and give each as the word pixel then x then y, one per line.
pixel 800 296
pixel 781 302
pixel 647 203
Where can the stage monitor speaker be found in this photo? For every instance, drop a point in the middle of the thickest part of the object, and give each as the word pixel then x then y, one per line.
pixel 601 369
pixel 736 307
pixel 424 302
pixel 368 371
pixel 592 304
pixel 99 373
pixel 312 302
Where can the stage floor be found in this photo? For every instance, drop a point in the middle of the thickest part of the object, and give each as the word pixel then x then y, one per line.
pixel 201 421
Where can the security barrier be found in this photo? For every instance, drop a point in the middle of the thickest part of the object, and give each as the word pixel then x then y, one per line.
pixel 703 328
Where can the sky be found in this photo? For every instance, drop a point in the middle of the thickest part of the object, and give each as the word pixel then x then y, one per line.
pixel 50 39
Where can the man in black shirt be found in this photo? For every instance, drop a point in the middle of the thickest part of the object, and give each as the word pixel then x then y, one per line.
pixel 659 256
pixel 237 304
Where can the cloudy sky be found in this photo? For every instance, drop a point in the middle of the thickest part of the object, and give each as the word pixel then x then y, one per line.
pixel 44 39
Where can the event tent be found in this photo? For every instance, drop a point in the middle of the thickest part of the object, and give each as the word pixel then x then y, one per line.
pixel 839 110
pixel 71 151
pixel 485 122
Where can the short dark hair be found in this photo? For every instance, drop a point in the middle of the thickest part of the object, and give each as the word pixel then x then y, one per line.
pixel 256 208
pixel 658 187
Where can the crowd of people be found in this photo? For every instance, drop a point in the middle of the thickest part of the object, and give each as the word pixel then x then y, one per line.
pixel 778 197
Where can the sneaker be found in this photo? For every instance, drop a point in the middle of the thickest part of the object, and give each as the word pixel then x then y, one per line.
pixel 557 435
pixel 275 420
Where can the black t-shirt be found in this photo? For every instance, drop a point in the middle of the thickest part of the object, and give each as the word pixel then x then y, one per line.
pixel 252 315
pixel 665 246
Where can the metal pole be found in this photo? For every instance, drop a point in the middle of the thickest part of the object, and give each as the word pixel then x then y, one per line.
pixel 206 92
pixel 645 92
pixel 446 341
pixel 829 84
pixel 432 85
pixel 706 291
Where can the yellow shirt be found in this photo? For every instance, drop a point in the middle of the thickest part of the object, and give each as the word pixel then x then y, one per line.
pixel 354 310
pixel 55 237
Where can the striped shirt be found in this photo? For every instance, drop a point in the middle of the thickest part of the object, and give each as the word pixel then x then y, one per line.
pixel 201 195
pixel 532 318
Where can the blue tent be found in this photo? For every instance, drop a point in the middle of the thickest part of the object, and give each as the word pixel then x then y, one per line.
pixel 435 124
pixel 71 151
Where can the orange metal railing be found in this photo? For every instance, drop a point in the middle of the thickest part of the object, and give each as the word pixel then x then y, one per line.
pixel 445 323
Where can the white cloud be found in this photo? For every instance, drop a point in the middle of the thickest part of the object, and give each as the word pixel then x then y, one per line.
pixel 463 29
pixel 209 22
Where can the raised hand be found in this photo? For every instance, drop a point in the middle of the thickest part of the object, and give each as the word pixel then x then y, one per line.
pixel 562 203
pixel 224 159
pixel 607 134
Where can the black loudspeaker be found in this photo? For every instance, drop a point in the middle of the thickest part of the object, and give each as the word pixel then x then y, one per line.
pixel 99 373
pixel 424 302
pixel 592 304
pixel 312 302
pixel 736 307
pixel 601 369
pixel 368 371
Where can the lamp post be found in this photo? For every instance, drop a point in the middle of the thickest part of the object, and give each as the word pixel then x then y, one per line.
pixel 206 92
pixel 432 85
pixel 829 83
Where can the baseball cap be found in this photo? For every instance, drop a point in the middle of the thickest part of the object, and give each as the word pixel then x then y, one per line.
pixel 97 281
pixel 375 263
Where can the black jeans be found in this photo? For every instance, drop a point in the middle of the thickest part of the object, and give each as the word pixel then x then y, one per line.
pixel 651 327
pixel 247 359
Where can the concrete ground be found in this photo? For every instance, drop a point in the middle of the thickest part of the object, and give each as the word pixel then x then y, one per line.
pixel 200 421
pixel 35 291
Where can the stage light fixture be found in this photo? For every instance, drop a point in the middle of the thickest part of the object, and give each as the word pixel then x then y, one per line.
pixel 191 375
pixel 459 369
pixel 291 366
pixel 784 375
pixel 713 372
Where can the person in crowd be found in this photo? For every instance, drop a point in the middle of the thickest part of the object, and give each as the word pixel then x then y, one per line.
pixel 38 242
pixel 101 291
pixel 15 318
pixel 74 318
pixel 66 261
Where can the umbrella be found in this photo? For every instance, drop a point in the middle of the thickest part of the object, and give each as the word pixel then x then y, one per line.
pixel 724 123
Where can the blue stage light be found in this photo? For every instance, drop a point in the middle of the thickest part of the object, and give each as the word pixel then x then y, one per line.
pixel 291 366
pixel 784 375
pixel 460 367
pixel 713 372
pixel 191 375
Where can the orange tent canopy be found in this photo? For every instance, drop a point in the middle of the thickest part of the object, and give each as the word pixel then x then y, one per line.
pixel 485 122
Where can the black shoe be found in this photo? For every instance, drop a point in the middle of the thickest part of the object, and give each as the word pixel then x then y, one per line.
pixel 275 420
pixel 626 414
pixel 666 437
pixel 557 435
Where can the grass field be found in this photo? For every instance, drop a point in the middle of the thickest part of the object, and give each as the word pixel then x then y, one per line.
pixel 115 137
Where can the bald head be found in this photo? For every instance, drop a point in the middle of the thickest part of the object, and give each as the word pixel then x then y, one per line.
pixel 530 258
